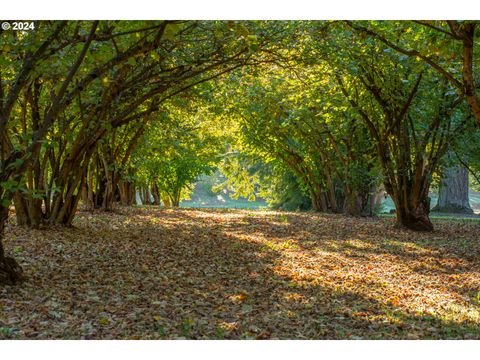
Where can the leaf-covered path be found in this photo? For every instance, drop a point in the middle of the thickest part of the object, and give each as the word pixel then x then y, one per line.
pixel 210 274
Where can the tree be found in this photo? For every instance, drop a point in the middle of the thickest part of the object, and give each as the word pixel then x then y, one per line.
pixel 437 44
pixel 90 78
pixel 453 191
pixel 177 148
pixel 291 115
pixel 410 118
pixel 96 110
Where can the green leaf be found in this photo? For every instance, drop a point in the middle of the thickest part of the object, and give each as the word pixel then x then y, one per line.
pixel 9 184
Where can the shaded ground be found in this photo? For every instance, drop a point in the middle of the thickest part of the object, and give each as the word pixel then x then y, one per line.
pixel 213 274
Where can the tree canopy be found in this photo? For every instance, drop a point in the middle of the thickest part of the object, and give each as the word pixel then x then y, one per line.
pixel 322 115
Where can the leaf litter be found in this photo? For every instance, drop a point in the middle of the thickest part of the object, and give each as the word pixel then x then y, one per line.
pixel 150 273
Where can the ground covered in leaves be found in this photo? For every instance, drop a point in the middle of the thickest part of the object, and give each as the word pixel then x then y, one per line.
pixel 237 274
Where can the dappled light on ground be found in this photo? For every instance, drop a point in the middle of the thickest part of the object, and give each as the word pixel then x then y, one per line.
pixel 210 274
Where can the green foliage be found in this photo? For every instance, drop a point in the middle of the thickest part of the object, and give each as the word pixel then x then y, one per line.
pixel 279 107
pixel 283 191
pixel 176 150
pixel 241 177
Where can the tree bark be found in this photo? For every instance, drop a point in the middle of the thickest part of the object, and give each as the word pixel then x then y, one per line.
pixel 318 201
pixel 377 194
pixel 166 201
pixel 145 195
pixel 127 193
pixel 415 219
pixel 28 211
pixel 10 270
pixel 468 33
pixel 453 192
pixel 155 194
pixel 353 202
pixel 413 209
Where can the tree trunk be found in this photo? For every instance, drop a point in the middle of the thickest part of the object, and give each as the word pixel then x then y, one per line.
pixel 155 194
pixel 353 202
pixel 412 211
pixel 145 195
pixel 470 87
pixel 10 270
pixel 28 211
pixel 318 202
pixel 317 197
pixel 127 193
pixel 453 192
pixel 88 191
pixel 166 201
pixel 133 195
pixel 109 197
pixel 331 195
pixel 377 197
pixel 416 219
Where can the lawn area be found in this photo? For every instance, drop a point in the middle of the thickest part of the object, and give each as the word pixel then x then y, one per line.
pixel 474 200
pixel 239 274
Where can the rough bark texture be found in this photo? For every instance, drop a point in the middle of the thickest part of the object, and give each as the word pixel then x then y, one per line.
pixel 467 34
pixel 318 201
pixel 417 219
pixel 353 203
pixel 10 270
pixel 127 193
pixel 453 192
pixel 413 212
pixel 155 194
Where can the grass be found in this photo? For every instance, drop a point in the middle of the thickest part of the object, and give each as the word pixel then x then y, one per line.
pixel 474 198
pixel 437 217
pixel 209 203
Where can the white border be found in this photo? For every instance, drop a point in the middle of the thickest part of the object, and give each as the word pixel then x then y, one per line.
pixel 239 9
pixel 241 350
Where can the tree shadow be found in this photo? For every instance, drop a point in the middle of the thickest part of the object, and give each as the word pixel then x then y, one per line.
pixel 194 274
